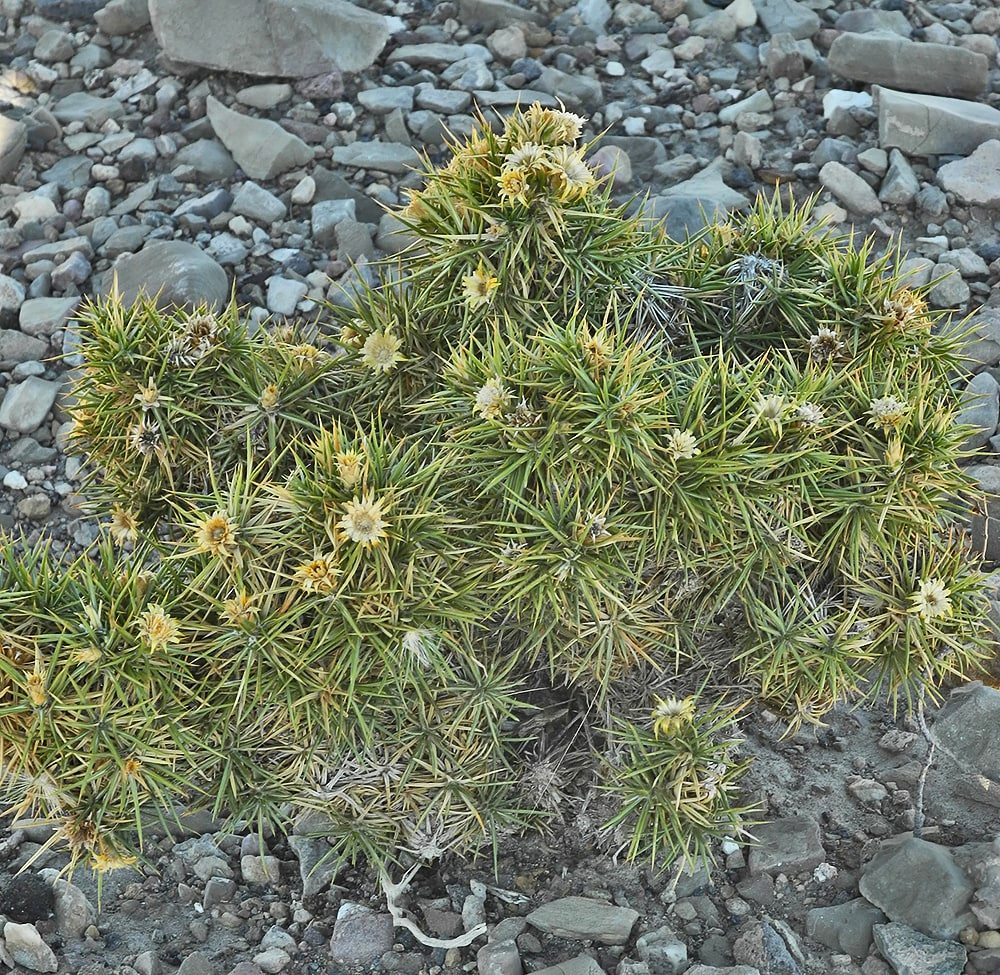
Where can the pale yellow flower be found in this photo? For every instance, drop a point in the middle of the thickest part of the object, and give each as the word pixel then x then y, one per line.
pixel 36 689
pixel 104 860
pixel 217 535
pixel 131 768
pixel 569 127
pixel 931 599
pixel 772 408
pixel 269 398
pixel 887 411
pixel 350 338
pixel 681 444
pixel 158 628
pixel 479 286
pixel 514 186
pixel 528 156
pixel 363 521
pixel 670 714
pixel 573 178
pixel 124 526
pixel 381 351
pixel 597 350
pixel 88 655
pixel 492 398
pixel 148 396
pixel 241 609
pixel 350 468
pixel 317 575
pixel 809 415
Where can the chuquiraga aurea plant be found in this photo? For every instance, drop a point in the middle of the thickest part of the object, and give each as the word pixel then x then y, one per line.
pixel 556 458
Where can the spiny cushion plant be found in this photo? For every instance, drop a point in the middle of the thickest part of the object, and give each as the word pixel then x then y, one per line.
pixel 555 463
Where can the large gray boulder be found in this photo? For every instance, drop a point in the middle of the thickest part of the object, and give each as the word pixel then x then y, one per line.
pixel 172 271
pixel 968 728
pixel 261 148
pixel 271 38
pixel 931 125
pixel 895 62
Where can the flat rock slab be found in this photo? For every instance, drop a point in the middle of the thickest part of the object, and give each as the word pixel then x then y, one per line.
pixel 384 157
pixel 912 953
pixel 895 62
pixel 581 965
pixel 975 180
pixel 968 726
pixel 791 845
pixel 585 919
pixel 919 884
pixel 261 148
pixel 931 125
pixel 172 271
pixel 271 38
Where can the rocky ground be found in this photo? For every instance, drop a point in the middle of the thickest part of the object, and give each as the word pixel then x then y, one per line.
pixel 198 147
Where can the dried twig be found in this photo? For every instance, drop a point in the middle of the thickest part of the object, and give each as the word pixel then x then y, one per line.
pixel 393 891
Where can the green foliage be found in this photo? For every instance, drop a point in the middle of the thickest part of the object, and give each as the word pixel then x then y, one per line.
pixel 553 457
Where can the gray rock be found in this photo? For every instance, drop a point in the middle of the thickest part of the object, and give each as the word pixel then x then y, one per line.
pixel 576 90
pixel 326 215
pixel 895 62
pixel 197 963
pixel 393 235
pixel 760 946
pixel 984 524
pixel 272 38
pixel 969 723
pixel 912 953
pixel 444 100
pixel 68 9
pixel 850 189
pixel 172 271
pixel 256 203
pixel 900 185
pixel 759 102
pixel 614 163
pixel 42 316
pixel 11 299
pixel 728 970
pixel 16 347
pixel 206 207
pixel 583 918
pixel 227 250
pixel 218 890
pixel 788 846
pixel 74 912
pixel 662 951
pixel 875 160
pixel 333 186
pixel 974 180
pixel 695 203
pixel 317 865
pixel 354 240
pixel 261 869
pixel 210 159
pixel 54 45
pixel 845 927
pixel 13 139
pixel 490 14
pixel 87 109
pixel 26 404
pixel 418 55
pixel 927 125
pixel 788 17
pixel 980 409
pixel 581 965
pixel 264 97
pixel 360 935
pixel 644 153
pixel 121 17
pixel 262 148
pixel 283 295
pixel 382 101
pixel 68 173
pixel 918 883
pixel 866 20
pixel 25 946
pixel 499 958
pixel 949 290
pixel 384 157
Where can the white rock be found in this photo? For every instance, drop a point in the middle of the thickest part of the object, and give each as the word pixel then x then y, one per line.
pixel 25 946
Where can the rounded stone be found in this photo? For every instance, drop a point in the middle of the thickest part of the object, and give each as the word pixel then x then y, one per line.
pixel 173 272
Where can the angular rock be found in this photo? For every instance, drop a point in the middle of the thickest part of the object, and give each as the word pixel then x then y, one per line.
pixel 695 203
pixel 208 158
pixel 980 408
pixel 866 20
pixel 643 153
pixel 788 17
pixel 121 17
pixel 662 951
pixel 581 965
pixel 256 203
pixel 26 896
pixel 27 404
pixel 850 189
pixel 317 865
pixel 271 38
pixel 929 125
pixel 968 725
pixel 13 139
pixel 898 63
pixel 261 148
pixel 384 157
pixel 760 946
pixel 25 946
pixel 728 970
pixel 172 271
pixel 912 953
pixel 88 109
pixel 74 912
pixel 16 347
pixel 788 846
pixel 919 884
pixel 585 919
pixel 948 290
pixel 845 927
pixel 490 14
pixel 900 185
pixel 499 958
pixel 360 935
pixel 974 180
pixel 11 299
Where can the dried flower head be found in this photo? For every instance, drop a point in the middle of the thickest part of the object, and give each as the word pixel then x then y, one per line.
pixel 350 467
pixel 479 286
pixel 931 599
pixel 363 522
pixel 318 575
pixel 894 454
pixel 887 411
pixel 772 408
pixel 35 686
pixel 682 445
pixel 419 644
pixel 270 398
pixel 145 438
pixel 131 768
pixel 241 609
pixel 824 345
pixel 350 336
pixel 148 396
pixel 217 535
pixel 492 399
pixel 380 351
pixel 905 309
pixel 157 628
pixel 124 526
pixel 809 415
pixel 86 655
pixel 670 714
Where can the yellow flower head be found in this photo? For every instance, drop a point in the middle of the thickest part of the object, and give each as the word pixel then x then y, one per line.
pixel 771 408
pixel 381 351
pixel 514 186
pixel 218 536
pixel 307 355
pixel 670 714
pixel 36 689
pixel 492 398
pixel 123 527
pixel 681 445
pixel 131 768
pixel 572 178
pixel 317 575
pixel 894 454
pixel 88 655
pixel 415 209
pixel 269 398
pixel 479 286
pixel 148 396
pixel 931 599
pixel 887 411
pixel 350 467
pixel 158 628
pixel 349 336
pixel 363 521
pixel 597 350
pixel 568 127
pixel 103 860
pixel 527 157
pixel 241 609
